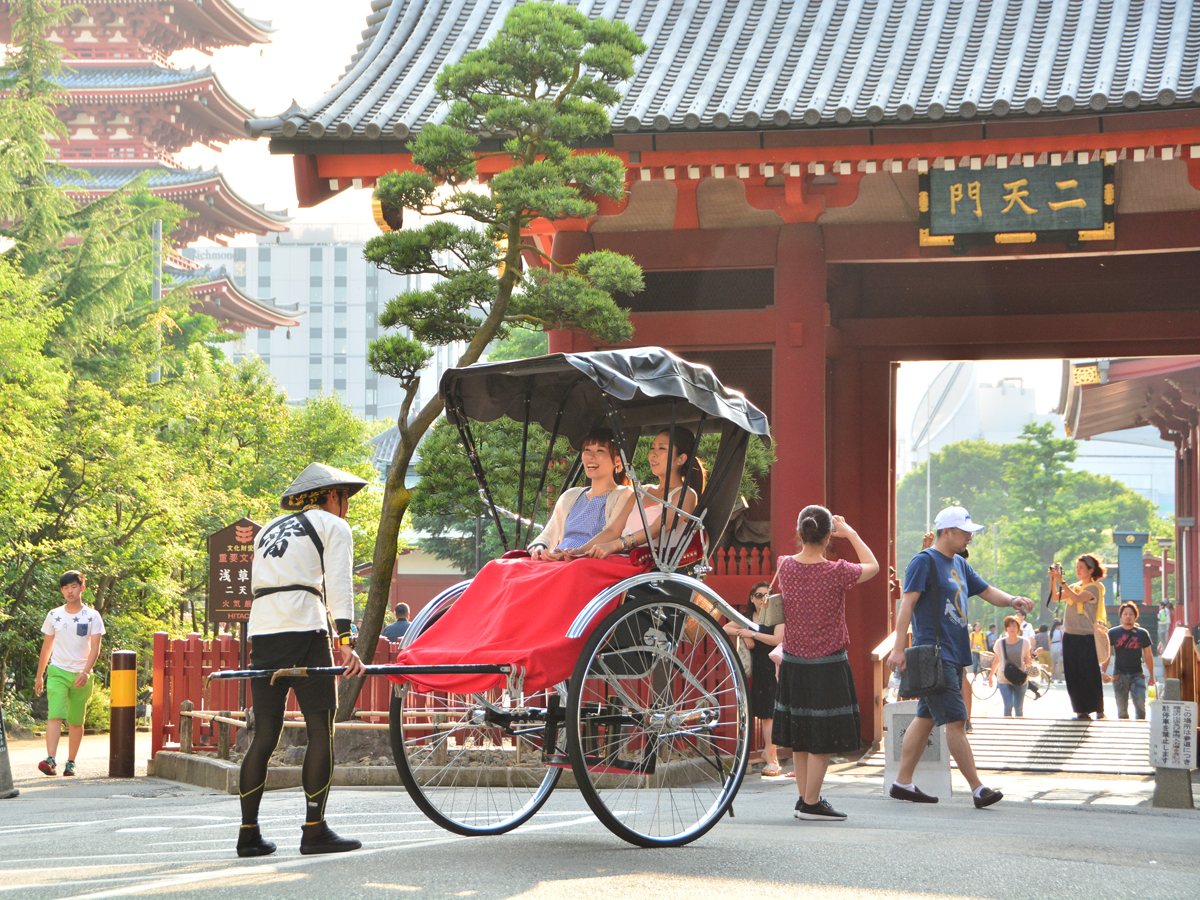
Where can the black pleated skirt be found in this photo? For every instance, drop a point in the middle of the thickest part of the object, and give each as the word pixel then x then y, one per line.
pixel 816 706
pixel 1081 668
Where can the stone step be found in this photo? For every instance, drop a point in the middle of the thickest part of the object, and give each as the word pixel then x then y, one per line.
pixel 1119 747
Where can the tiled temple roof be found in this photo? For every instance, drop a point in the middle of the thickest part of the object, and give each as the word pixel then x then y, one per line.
pixel 222 211
pixel 754 64
pixel 110 177
pixel 93 76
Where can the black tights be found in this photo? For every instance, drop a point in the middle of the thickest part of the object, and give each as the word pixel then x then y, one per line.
pixel 315 777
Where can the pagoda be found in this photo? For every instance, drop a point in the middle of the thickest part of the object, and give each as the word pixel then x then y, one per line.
pixel 130 111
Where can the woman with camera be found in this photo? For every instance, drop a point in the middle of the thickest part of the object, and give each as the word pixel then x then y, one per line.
pixel 1085 607
pixel 1012 656
pixel 816 706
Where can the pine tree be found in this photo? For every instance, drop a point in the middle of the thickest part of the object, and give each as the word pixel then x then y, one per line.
pixel 541 87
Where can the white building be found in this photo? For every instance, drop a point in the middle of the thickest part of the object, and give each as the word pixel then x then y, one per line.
pixel 958 407
pixel 321 269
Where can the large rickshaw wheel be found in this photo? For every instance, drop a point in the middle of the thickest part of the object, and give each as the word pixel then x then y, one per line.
pixel 466 773
pixel 657 719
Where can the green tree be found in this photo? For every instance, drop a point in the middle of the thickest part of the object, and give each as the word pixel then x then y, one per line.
pixel 543 84
pixel 1045 511
pixel 106 469
pixel 1058 514
pixel 968 473
pixel 31 390
pixel 519 343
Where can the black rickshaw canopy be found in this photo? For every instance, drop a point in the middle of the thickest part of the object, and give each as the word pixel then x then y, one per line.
pixel 636 392
pixel 643 382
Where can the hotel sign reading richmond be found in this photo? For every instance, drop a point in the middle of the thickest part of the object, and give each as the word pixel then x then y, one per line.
pixel 1017 205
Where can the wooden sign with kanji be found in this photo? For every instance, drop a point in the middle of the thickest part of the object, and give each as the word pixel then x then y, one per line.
pixel 230 555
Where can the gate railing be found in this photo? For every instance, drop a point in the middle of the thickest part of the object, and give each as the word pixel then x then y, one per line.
pixel 181 666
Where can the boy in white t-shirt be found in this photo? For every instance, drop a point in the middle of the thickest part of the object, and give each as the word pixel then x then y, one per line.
pixel 70 650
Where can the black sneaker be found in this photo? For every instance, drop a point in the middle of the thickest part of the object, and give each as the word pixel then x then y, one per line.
pixel 820 811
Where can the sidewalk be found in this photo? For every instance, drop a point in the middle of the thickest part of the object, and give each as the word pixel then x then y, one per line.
pixel 853 780
pixel 844 779
pixel 92 762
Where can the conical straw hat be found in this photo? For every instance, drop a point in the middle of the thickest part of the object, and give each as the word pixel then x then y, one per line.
pixel 315 480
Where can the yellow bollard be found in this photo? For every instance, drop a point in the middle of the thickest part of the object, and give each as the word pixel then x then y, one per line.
pixel 123 718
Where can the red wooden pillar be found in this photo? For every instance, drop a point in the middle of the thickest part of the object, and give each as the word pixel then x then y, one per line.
pixel 158 690
pixel 798 389
pixel 861 468
pixel 174 690
pixel 1187 538
pixel 569 246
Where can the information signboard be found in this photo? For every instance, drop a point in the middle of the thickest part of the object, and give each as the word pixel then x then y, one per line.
pixel 1067 203
pixel 230 554
pixel 1173 734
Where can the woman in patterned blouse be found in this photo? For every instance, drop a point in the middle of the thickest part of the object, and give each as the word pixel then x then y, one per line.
pixel 816 707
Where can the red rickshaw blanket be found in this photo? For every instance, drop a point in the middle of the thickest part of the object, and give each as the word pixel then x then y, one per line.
pixel 515 611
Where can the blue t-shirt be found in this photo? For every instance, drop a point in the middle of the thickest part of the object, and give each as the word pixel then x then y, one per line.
pixel 956 582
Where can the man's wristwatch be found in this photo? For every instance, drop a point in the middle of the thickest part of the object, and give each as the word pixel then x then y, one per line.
pixel 346 640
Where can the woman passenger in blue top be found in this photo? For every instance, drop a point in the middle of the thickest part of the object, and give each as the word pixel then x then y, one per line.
pixel 581 513
pixel 956 582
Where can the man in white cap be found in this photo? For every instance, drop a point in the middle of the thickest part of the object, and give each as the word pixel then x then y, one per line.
pixel 956 581
pixel 301 577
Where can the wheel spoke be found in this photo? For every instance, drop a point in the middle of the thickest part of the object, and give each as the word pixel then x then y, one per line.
pixel 463 765
pixel 658 725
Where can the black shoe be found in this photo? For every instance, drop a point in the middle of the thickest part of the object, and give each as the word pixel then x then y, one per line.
pixel 820 811
pixel 251 843
pixel 916 795
pixel 320 838
pixel 987 797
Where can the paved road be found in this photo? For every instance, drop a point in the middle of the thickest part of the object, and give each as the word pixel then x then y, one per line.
pixel 1057 838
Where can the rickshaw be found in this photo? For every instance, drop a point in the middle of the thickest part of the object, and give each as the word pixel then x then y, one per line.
pixel 653 722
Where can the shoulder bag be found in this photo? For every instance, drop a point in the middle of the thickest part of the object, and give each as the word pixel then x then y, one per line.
pixel 1103 645
pixel 744 656
pixel 923 673
pixel 772 611
pixel 1013 673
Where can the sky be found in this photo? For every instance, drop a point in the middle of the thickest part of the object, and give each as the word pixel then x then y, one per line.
pixel 308 53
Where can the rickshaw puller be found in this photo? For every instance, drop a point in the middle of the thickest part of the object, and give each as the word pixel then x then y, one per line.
pixel 302 576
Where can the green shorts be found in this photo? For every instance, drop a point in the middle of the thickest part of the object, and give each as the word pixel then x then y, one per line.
pixel 65 700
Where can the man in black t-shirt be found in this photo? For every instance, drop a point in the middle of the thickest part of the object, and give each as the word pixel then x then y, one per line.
pixel 1130 644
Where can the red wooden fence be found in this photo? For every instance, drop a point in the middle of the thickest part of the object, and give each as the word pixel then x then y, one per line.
pixel 741 561
pixel 182 664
